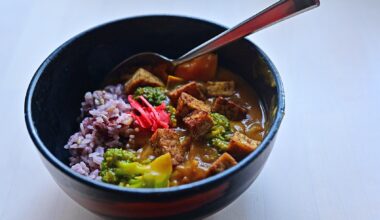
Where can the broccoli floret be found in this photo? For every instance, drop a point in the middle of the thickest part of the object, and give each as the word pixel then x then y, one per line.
pixel 154 95
pixel 173 120
pixel 111 161
pixel 135 182
pixel 220 120
pixel 219 144
pixel 114 155
pixel 220 133
pixel 121 168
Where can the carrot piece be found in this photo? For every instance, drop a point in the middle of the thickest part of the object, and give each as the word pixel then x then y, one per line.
pixel 202 68
pixel 174 81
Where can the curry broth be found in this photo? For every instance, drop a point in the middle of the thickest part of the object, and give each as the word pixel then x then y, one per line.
pixel 199 156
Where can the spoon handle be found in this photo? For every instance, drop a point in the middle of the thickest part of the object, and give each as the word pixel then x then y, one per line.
pixel 275 13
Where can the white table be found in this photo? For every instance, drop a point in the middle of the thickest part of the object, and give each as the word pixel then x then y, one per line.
pixel 326 163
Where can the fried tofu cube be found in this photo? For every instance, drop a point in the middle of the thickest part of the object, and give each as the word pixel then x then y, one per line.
pixel 202 88
pixel 240 145
pixel 142 77
pixel 220 88
pixel 166 140
pixel 224 162
pixel 229 109
pixel 198 123
pixel 187 103
pixel 191 88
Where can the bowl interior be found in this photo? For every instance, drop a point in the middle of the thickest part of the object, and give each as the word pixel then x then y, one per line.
pixel 81 64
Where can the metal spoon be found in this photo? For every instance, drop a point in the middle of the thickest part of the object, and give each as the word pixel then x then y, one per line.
pixel 275 13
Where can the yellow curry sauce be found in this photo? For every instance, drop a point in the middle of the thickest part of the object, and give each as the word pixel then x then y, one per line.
pixel 199 156
pixel 167 126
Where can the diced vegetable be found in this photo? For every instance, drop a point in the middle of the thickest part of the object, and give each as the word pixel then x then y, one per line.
pixel 202 68
pixel 220 133
pixel 159 172
pixel 155 95
pixel 119 167
pixel 111 159
pixel 220 120
pixel 174 81
pixel 219 143
pixel 173 120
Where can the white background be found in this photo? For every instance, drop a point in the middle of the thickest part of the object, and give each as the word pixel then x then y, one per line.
pixel 326 162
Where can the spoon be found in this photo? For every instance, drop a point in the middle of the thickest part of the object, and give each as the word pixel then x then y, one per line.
pixel 275 13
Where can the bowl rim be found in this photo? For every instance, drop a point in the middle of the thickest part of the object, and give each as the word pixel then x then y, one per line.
pixel 182 188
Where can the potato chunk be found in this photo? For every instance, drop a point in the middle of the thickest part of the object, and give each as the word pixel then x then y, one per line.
pixel 224 162
pixel 187 103
pixel 198 123
pixel 202 68
pixel 229 109
pixel 240 145
pixel 142 78
pixel 174 81
pixel 220 88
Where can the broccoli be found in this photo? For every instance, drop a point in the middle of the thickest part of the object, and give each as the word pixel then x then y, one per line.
pixel 111 162
pixel 154 95
pixel 220 133
pixel 120 167
pixel 173 120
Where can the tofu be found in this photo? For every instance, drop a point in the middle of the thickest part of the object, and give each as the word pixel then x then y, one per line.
pixel 198 123
pixel 224 162
pixel 191 88
pixel 229 109
pixel 166 140
pixel 142 78
pixel 240 145
pixel 187 103
pixel 220 88
pixel 202 88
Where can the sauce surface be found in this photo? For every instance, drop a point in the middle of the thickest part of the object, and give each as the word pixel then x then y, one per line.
pixel 200 156
pixel 165 127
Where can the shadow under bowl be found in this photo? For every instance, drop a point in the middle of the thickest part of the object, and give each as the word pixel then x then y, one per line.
pixel 54 95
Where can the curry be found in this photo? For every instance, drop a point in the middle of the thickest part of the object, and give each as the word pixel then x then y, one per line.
pixel 183 125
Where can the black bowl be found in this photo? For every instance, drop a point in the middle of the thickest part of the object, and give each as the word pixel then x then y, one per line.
pixel 79 65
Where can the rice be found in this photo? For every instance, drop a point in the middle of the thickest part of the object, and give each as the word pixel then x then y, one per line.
pixel 106 122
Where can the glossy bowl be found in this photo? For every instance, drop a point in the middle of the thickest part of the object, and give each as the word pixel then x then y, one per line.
pixel 54 95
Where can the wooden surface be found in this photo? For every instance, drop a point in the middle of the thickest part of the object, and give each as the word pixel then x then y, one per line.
pixel 326 162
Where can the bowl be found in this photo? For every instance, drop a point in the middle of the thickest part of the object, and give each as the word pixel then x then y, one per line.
pixel 53 99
